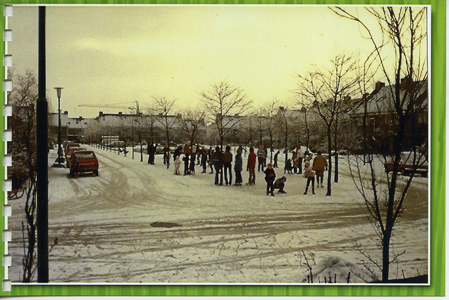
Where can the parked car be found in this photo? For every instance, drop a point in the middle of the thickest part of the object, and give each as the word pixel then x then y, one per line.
pixel 410 164
pixel 116 145
pixel 70 151
pixel 70 145
pixel 87 162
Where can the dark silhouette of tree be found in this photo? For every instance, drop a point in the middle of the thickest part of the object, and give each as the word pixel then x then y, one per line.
pixel 403 31
pixel 192 122
pixel 23 149
pixel 165 109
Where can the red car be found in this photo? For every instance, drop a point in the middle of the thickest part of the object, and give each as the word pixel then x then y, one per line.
pixel 409 165
pixel 83 162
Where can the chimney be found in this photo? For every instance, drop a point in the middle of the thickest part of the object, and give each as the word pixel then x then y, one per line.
pixel 405 80
pixel 379 85
pixel 100 113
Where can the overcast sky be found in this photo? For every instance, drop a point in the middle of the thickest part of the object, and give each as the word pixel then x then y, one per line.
pixel 107 55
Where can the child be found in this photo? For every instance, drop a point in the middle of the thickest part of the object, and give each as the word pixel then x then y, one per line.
pixel 270 175
pixel 177 165
pixel 288 166
pixel 279 184
pixel 309 173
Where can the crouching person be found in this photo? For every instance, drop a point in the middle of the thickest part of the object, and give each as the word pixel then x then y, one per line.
pixel 279 185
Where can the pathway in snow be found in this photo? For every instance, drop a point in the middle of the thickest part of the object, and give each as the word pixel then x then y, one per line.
pixel 110 228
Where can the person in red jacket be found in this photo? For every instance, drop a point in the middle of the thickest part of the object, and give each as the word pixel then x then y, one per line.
pixel 251 166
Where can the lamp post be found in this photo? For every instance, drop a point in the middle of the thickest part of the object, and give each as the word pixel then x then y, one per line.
pixel 58 163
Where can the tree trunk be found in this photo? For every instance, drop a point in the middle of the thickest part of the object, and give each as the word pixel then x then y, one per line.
pixel 221 160
pixel 336 152
pixel 386 254
pixel 329 173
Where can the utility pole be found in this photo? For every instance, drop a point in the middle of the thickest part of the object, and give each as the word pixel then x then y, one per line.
pixel 42 157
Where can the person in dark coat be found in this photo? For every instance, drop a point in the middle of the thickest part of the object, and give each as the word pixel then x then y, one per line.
pixel 204 159
pixel 178 152
pixel 192 163
pixel 238 166
pixel 167 155
pixel 227 163
pixel 275 165
pixel 217 157
pixel 186 160
pixel 270 175
pixel 151 150
pixel 210 159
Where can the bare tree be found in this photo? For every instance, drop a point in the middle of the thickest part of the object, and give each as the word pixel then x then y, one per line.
pixel 249 128
pixel 326 89
pixel 269 114
pixel 225 104
pixel 403 30
pixel 192 122
pixel 23 150
pixel 165 108
pixel 284 128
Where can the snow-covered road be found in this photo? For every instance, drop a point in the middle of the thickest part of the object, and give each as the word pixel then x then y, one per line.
pixel 138 223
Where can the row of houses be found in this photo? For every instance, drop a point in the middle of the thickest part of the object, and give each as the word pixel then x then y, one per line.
pixel 368 117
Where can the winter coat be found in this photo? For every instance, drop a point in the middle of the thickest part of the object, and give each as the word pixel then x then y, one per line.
pixel 187 149
pixel 251 160
pixel 238 166
pixel 177 152
pixel 203 157
pixel 261 153
pixel 319 163
pixel 217 159
pixel 269 174
pixel 309 172
pixel 227 157
pixel 211 157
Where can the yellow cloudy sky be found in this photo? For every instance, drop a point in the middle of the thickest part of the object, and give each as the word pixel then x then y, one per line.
pixel 113 54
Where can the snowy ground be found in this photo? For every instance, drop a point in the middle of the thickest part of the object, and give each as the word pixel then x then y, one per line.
pixel 139 223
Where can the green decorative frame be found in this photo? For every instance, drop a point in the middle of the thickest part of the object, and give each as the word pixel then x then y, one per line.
pixel 438 164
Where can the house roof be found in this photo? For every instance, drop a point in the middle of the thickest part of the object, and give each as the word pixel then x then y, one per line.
pixel 382 100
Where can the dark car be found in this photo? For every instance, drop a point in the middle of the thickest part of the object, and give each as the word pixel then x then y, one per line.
pixel 87 162
pixel 409 163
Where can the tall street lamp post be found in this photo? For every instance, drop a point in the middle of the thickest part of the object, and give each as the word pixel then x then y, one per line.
pixel 59 160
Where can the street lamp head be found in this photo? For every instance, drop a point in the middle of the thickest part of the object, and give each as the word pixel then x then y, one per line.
pixel 58 91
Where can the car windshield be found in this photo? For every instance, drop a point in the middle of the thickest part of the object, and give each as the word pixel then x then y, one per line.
pixel 85 155
pixel 76 149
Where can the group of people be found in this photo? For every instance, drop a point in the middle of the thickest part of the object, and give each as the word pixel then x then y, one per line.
pixel 222 161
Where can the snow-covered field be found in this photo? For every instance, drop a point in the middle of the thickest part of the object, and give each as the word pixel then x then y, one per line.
pixel 139 223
